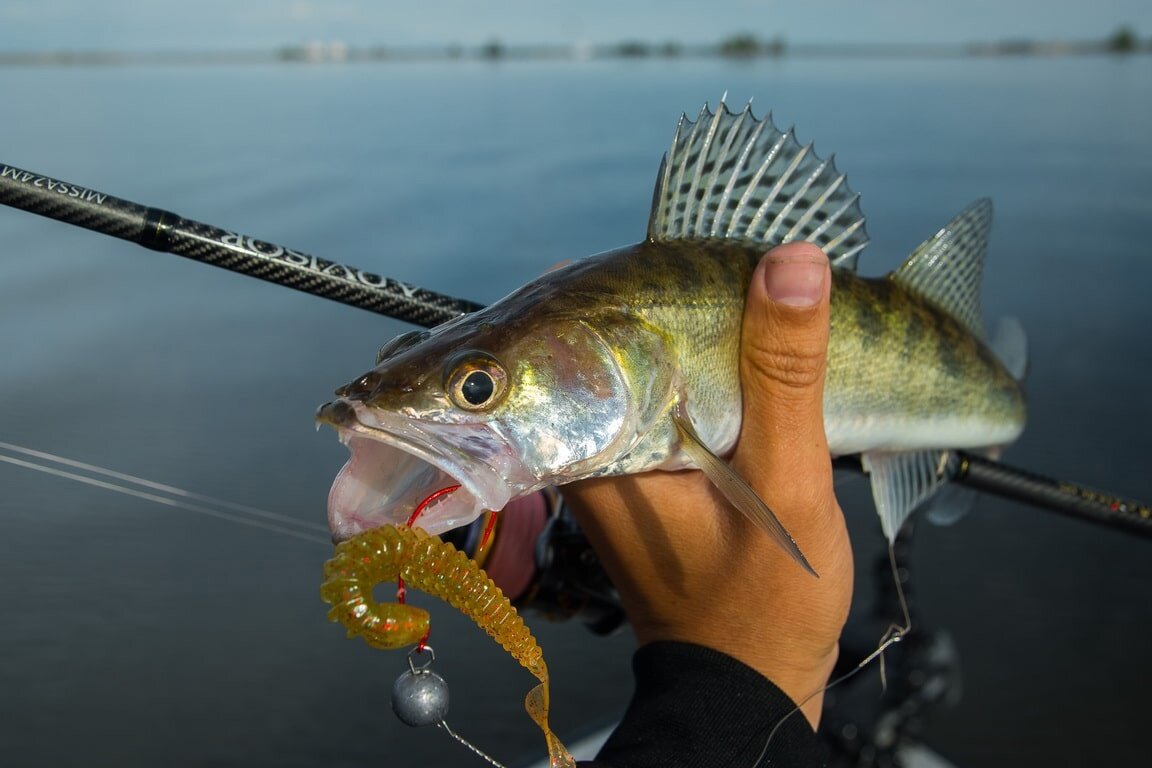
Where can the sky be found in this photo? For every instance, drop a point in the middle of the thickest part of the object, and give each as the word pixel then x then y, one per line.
pixel 150 25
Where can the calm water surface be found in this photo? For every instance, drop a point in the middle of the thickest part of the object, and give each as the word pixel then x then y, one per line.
pixel 136 635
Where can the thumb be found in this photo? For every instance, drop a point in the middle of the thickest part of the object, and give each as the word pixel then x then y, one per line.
pixel 784 352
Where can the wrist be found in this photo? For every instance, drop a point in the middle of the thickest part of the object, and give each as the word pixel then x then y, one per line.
pixel 800 672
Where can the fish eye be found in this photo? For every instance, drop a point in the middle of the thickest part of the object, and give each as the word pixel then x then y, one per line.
pixel 478 387
pixel 476 382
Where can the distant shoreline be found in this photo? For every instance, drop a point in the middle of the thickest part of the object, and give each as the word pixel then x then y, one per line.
pixel 739 48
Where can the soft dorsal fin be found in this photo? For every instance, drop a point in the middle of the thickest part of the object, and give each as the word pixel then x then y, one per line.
pixel 947 267
pixel 733 176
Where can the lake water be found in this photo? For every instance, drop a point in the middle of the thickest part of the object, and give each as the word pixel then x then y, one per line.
pixel 136 635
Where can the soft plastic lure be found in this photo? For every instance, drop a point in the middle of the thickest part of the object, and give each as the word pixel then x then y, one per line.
pixel 423 561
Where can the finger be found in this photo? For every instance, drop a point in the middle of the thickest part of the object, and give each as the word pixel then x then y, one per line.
pixel 784 346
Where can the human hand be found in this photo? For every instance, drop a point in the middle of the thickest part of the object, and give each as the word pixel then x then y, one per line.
pixel 688 566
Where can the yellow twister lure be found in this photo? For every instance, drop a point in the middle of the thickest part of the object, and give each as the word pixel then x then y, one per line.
pixel 392 553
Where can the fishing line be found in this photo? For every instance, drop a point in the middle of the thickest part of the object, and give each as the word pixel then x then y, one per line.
pixel 892 635
pixel 167 495
pixel 479 753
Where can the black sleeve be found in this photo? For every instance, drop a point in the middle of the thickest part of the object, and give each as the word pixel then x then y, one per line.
pixel 698 708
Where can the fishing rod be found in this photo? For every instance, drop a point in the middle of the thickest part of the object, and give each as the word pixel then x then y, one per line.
pixel 1061 496
pixel 167 232
pixel 163 231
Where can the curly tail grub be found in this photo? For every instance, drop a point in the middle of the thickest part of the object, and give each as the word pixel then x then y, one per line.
pixel 425 562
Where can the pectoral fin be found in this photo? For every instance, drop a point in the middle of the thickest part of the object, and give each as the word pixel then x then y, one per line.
pixel 738 492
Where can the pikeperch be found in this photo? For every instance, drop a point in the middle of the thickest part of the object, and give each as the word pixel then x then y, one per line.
pixel 628 361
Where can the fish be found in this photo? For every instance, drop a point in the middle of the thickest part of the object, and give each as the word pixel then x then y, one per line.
pixel 627 361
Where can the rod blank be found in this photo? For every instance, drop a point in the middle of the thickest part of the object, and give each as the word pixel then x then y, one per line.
pixel 167 232
pixel 1060 496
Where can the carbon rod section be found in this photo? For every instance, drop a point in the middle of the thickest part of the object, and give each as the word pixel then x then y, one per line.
pixel 163 231
pixel 1059 496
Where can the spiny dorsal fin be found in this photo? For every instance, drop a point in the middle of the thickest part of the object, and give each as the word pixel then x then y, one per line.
pixel 946 268
pixel 733 176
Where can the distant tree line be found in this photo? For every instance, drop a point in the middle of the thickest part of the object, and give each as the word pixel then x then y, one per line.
pixel 742 45
pixel 745 46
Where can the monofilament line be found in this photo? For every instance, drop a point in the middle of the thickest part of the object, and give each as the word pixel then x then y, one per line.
pixel 480 753
pixel 90 474
pixel 894 634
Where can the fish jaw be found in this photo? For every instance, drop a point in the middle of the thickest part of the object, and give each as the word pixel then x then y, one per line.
pixel 397 462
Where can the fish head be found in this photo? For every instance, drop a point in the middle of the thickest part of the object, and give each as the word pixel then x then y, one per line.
pixel 500 403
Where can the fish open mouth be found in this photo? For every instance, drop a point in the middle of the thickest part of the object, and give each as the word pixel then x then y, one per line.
pixel 396 463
